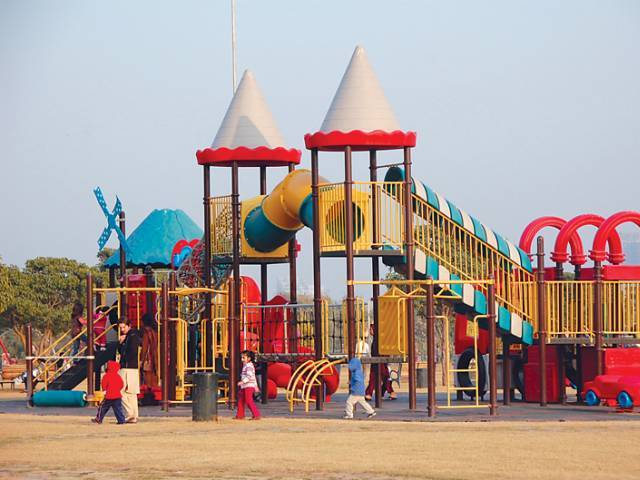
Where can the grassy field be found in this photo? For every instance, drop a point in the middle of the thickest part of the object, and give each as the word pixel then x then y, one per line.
pixel 35 446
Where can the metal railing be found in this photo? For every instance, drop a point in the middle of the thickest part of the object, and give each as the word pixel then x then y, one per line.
pixel 290 329
pixel 385 231
pixel 55 364
pixel 569 309
pixel 621 308
pixel 221 225
pixel 468 257
pixel 191 330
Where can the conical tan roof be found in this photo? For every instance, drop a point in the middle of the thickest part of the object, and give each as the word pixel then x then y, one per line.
pixel 360 103
pixel 248 121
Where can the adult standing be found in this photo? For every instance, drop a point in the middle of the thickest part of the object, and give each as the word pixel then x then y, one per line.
pixel 149 352
pixel 78 323
pixel 128 345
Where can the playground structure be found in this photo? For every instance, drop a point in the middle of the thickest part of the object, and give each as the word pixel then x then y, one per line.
pixel 522 317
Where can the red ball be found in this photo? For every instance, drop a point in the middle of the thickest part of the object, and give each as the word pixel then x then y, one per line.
pixel 272 389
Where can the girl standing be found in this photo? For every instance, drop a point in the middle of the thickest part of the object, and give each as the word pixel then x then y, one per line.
pixel 247 385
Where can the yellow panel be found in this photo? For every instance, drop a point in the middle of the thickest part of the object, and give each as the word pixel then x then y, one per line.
pixel 392 332
pixel 333 221
pixel 245 249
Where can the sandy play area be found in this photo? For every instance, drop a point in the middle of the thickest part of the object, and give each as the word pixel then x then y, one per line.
pixel 37 446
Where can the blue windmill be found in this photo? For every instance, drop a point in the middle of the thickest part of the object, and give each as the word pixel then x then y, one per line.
pixel 112 221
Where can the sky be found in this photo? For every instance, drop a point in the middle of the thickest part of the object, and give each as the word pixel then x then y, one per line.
pixel 522 108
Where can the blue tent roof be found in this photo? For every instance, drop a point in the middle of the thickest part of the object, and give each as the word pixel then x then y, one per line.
pixel 152 241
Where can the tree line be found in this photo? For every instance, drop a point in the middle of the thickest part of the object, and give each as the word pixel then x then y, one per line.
pixel 42 294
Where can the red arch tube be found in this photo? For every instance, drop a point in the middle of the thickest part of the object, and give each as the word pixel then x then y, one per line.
pixel 571 228
pixel 606 230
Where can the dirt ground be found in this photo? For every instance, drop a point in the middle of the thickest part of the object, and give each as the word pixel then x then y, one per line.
pixel 42 447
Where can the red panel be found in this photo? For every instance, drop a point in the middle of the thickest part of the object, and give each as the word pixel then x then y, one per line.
pixel 532 383
pixel 532 374
pixel 274 326
pixel 622 361
pixel 588 364
pixel 248 157
pixel 533 354
pixel 359 140
pixel 137 301
pixel 614 272
pixel 463 341
pixel 615 361
pixel 549 273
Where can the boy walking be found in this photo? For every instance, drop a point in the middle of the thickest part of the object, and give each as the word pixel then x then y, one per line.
pixel 356 390
pixel 112 385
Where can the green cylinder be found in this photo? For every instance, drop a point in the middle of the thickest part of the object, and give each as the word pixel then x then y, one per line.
pixel 204 398
pixel 59 398
pixel 263 235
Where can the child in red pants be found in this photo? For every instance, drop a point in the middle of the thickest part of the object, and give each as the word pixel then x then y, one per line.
pixel 247 385
pixel 386 383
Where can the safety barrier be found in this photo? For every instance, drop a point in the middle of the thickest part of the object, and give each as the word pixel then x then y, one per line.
pixel 621 308
pixel 221 225
pixel 59 356
pixel 385 231
pixel 569 309
pixel 290 329
pixel 278 329
pixel 335 328
pixel 192 354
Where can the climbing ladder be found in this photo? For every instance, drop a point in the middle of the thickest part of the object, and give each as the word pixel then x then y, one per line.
pixel 452 372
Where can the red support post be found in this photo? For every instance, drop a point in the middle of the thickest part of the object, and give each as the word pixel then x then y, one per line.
pixel 264 296
pixel 208 255
pixel 506 373
pixel 542 321
pixel 91 390
pixel 408 241
pixel 164 357
pixel 598 314
pixel 172 337
pixel 431 348
pixel 29 362
pixel 348 243
pixel 124 281
pixel 375 274
pixel 293 286
pixel 317 286
pixel 234 338
pixel 493 364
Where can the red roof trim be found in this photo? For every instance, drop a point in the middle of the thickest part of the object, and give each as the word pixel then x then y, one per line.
pixel 248 157
pixel 359 140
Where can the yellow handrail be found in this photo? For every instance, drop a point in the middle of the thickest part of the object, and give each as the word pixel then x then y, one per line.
pixel 469 257
pixel 320 369
pixel 294 381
